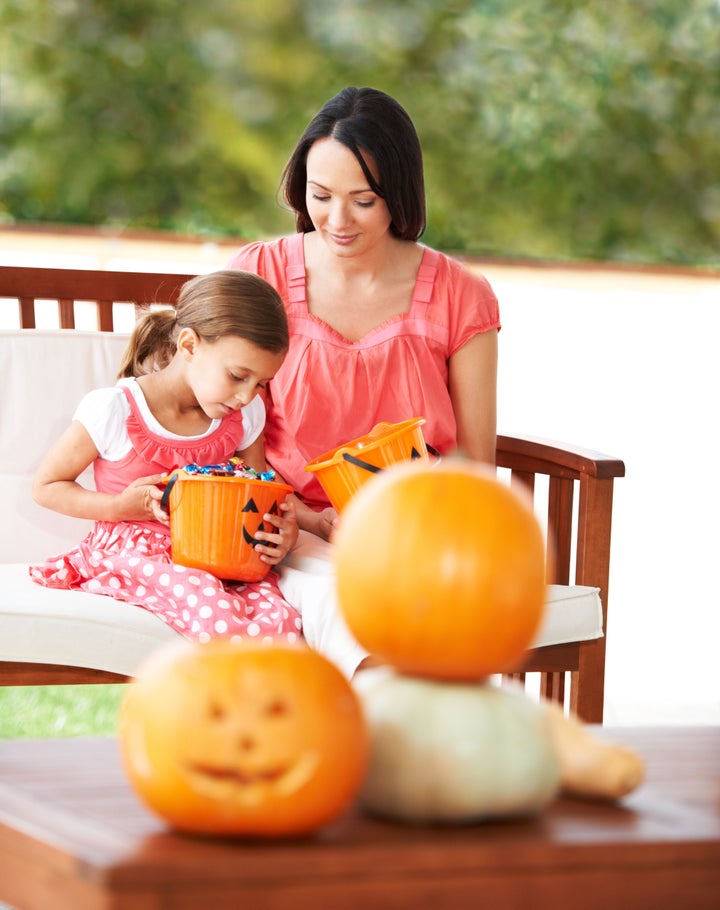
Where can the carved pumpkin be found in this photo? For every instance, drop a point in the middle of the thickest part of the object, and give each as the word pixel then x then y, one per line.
pixel 242 738
pixel 441 570
pixel 453 752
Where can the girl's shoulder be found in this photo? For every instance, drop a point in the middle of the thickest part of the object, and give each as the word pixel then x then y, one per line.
pixel 110 398
pixel 103 413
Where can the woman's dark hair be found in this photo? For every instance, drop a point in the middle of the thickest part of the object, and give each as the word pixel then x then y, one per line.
pixel 366 120
pixel 230 302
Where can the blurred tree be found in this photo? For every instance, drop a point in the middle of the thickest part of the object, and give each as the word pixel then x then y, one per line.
pixel 551 128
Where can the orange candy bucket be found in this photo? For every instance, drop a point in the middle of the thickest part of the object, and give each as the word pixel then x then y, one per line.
pixel 342 471
pixel 213 522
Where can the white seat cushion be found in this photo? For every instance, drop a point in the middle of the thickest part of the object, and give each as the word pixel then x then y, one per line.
pixel 72 628
pixel 572 613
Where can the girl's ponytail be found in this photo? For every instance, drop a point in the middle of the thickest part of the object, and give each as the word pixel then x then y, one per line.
pixel 151 345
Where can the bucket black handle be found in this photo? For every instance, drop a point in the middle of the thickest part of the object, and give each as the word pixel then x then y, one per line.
pixel 374 469
pixel 165 501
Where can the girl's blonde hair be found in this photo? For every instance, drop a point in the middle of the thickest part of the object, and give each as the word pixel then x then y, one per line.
pixel 222 303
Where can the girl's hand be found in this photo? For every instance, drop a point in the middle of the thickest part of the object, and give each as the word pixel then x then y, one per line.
pixel 284 539
pixel 140 501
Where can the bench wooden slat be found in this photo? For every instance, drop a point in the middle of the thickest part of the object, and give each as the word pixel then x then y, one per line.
pixel 27 285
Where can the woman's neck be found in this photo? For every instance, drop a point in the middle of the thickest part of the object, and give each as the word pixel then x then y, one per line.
pixel 380 263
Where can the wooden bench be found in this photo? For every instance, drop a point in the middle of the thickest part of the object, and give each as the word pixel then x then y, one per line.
pixel 573 486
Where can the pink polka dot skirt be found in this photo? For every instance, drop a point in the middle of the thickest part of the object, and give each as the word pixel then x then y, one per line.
pixel 132 563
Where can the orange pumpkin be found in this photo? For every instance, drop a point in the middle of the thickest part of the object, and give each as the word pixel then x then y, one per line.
pixel 441 570
pixel 242 738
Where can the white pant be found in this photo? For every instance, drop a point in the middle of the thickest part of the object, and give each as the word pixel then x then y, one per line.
pixel 307 581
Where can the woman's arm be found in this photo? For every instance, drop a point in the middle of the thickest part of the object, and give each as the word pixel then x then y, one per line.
pixel 55 484
pixel 473 391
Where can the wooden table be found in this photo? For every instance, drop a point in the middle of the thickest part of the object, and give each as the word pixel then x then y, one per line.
pixel 73 835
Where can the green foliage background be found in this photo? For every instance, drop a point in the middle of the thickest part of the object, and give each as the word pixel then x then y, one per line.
pixel 551 128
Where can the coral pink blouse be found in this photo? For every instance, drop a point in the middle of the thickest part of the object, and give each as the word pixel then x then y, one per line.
pixel 330 390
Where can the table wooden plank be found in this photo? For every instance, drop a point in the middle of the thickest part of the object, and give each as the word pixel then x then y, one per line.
pixel 67 812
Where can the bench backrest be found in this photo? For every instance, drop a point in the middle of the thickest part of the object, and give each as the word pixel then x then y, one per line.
pixel 23 287
pixel 43 376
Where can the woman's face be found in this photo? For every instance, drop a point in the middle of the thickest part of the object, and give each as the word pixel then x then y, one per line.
pixel 347 214
pixel 227 374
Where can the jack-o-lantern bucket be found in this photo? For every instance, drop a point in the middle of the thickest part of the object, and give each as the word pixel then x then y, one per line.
pixel 213 522
pixel 342 471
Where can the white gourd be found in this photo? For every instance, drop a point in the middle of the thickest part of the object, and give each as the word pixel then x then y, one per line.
pixel 450 752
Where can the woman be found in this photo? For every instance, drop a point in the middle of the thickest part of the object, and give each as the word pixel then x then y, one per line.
pixel 382 328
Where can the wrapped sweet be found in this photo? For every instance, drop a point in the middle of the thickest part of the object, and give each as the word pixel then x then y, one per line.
pixel 233 467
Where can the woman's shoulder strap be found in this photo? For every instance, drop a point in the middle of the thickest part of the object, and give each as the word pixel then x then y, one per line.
pixel 295 270
pixel 425 280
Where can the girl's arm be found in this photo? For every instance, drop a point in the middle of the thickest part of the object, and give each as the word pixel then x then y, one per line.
pixel 55 484
pixel 473 391
pixel 254 455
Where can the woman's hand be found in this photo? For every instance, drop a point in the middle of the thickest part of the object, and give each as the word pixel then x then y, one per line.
pixel 322 524
pixel 326 523
pixel 281 541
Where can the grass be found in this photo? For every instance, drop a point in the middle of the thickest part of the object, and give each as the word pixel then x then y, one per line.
pixel 29 712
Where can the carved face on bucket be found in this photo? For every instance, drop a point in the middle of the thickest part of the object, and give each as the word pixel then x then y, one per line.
pixel 243 739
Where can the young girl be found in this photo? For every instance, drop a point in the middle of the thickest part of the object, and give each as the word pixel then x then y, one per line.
pixel 188 393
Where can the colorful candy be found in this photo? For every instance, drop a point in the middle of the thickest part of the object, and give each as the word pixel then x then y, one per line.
pixel 234 467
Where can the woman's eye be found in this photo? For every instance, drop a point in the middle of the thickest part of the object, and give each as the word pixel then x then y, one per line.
pixel 320 198
pixel 366 205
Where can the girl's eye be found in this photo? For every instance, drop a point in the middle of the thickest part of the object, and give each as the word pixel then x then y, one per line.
pixel 237 378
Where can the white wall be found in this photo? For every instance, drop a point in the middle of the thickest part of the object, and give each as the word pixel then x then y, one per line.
pixel 628 365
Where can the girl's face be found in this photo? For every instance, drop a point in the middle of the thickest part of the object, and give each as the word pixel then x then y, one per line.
pixel 347 214
pixel 226 374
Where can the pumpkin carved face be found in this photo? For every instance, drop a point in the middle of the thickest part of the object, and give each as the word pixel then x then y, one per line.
pixel 441 570
pixel 243 739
